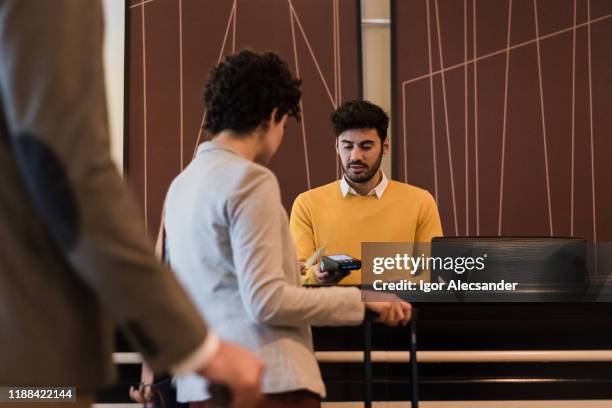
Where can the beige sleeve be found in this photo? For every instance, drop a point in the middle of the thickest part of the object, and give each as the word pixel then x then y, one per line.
pixel 257 229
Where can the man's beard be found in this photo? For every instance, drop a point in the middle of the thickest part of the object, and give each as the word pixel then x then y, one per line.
pixel 363 177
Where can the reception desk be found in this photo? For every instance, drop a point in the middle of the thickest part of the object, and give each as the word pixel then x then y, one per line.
pixel 467 352
pixel 479 352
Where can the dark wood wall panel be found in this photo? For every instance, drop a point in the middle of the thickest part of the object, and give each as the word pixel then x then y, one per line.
pixel 169 59
pixel 512 139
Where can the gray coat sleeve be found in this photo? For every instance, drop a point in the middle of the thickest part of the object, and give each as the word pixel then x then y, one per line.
pixel 52 90
pixel 266 264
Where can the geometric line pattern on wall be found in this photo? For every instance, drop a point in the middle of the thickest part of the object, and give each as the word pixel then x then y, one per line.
pixel 510 131
pixel 174 43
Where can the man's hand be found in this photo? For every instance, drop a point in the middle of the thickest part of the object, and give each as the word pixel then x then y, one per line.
pixel 391 313
pixel 327 278
pixel 239 370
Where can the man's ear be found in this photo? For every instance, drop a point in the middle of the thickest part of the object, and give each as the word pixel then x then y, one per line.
pixel 385 145
pixel 336 145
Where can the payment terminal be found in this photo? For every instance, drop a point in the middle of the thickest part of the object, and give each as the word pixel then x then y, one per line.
pixel 340 263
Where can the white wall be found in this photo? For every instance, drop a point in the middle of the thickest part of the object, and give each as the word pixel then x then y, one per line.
pixel 376 52
pixel 114 13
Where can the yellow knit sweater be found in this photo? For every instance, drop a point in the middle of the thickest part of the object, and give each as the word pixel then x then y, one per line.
pixel 323 217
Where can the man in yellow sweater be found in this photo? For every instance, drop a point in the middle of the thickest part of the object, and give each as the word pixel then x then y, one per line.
pixel 364 206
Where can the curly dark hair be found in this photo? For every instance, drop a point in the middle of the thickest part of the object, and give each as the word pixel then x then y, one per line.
pixel 360 115
pixel 242 91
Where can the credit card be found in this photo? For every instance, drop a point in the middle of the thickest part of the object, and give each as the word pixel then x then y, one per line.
pixel 312 259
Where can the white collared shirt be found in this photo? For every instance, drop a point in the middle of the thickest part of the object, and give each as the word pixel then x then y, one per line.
pixel 346 188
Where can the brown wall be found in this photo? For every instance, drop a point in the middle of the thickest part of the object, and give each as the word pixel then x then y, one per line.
pixel 183 39
pixel 528 131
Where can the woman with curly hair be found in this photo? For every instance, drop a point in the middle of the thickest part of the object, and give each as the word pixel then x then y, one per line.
pixel 228 239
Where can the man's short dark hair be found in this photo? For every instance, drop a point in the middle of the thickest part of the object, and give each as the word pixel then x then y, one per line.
pixel 360 115
pixel 242 91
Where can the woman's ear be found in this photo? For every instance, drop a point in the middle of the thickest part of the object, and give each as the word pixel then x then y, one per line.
pixel 272 117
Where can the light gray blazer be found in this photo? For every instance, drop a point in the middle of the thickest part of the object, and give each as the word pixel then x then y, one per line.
pixel 228 240
pixel 74 257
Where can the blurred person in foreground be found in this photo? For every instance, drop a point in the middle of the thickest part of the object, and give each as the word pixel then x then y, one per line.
pixel 74 257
